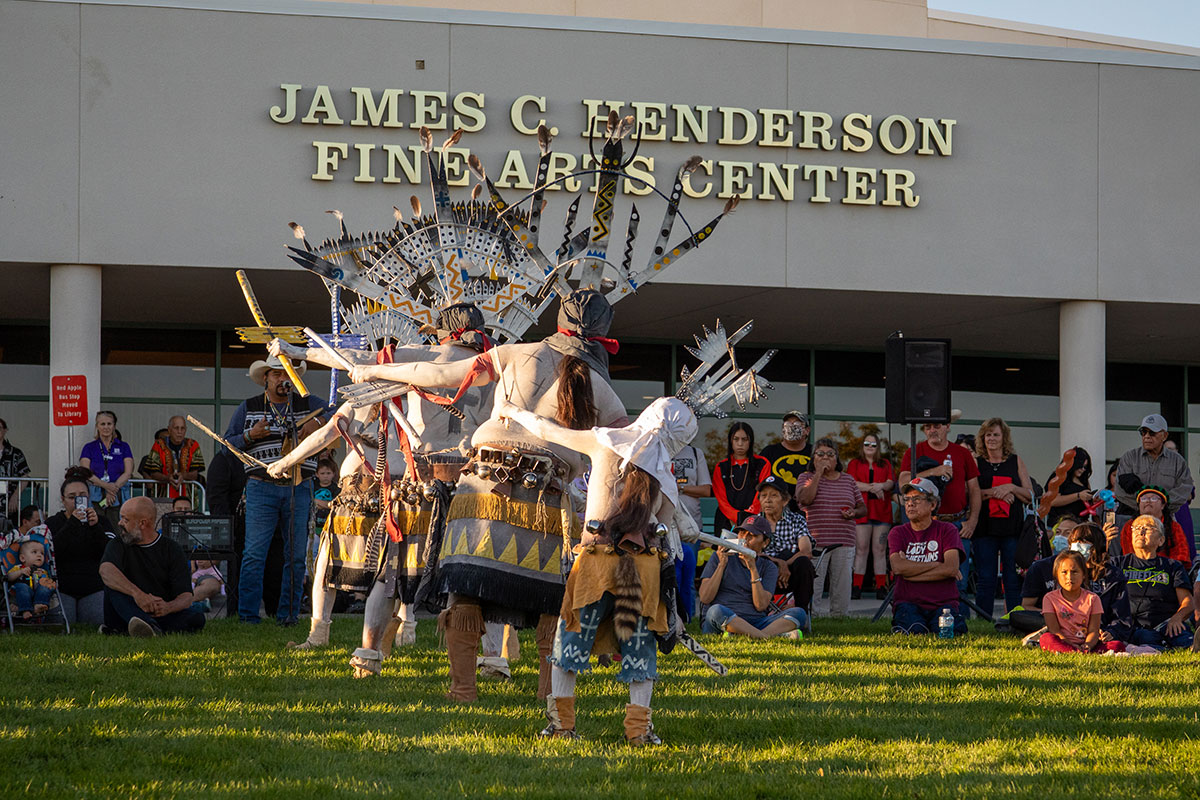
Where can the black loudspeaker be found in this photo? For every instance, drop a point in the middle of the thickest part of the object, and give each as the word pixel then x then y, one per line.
pixel 917 388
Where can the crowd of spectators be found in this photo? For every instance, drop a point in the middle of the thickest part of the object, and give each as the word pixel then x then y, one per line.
pixel 938 530
pixel 945 531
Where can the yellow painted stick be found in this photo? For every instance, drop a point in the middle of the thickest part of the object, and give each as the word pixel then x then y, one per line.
pixel 261 321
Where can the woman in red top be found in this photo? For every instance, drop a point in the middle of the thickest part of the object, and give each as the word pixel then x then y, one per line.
pixel 875 479
pixel 735 479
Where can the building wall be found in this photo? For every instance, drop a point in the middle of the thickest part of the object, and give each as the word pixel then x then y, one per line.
pixel 881 17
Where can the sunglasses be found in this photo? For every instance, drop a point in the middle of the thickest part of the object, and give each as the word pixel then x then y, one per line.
pixel 1147 432
pixel 870 445
pixel 825 454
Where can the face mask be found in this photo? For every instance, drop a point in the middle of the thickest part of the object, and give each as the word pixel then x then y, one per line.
pixel 1059 543
pixel 793 431
pixel 1083 548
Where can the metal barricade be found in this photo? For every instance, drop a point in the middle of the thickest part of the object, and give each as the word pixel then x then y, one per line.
pixel 38 492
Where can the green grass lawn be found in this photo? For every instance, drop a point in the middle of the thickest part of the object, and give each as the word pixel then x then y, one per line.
pixel 853 712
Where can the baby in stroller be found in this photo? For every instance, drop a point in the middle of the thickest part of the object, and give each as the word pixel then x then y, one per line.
pixel 32 586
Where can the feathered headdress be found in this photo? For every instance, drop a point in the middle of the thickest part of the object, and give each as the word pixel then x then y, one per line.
pixel 716 380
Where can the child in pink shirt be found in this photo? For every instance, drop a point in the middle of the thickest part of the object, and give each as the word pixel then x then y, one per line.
pixel 1072 613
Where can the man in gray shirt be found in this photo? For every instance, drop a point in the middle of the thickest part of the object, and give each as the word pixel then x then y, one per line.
pixel 1153 464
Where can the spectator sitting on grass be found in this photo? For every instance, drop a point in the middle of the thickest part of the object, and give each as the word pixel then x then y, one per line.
pixel 79 536
pixel 1160 597
pixel 147 589
pixel 1104 579
pixel 1039 579
pixel 925 554
pixel 790 546
pixel 1073 612
pixel 737 589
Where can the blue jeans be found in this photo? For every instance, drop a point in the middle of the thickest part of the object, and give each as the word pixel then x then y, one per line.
pixel 989 549
pixel 96 494
pixel 269 505
pixel 27 597
pixel 1156 638
pixel 572 651
pixel 119 608
pixel 718 616
pixel 965 566
pixel 685 578
pixel 911 618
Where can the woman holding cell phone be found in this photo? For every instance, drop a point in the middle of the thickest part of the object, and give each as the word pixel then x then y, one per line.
pixel 79 535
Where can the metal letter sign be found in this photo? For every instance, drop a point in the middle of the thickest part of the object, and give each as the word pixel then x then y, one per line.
pixel 68 399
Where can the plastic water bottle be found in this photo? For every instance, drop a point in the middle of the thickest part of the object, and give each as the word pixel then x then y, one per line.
pixel 949 462
pixel 946 625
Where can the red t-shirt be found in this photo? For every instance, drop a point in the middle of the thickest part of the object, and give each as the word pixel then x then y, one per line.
pixel 881 472
pixel 926 546
pixel 954 498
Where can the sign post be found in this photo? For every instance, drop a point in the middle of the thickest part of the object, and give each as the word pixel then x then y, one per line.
pixel 69 406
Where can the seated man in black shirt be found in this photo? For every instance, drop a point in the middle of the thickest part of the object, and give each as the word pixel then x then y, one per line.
pixel 147 585
pixel 1160 597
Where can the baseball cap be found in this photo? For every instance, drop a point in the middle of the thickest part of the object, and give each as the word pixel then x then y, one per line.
pixel 776 483
pixel 755 523
pixel 803 418
pixel 1154 422
pixel 924 486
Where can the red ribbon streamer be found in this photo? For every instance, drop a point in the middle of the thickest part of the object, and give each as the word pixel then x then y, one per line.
pixel 611 345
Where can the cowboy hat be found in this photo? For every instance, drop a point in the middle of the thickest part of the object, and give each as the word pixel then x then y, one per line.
pixel 258 370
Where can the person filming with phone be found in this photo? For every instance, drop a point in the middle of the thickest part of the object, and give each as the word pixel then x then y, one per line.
pixel 79 535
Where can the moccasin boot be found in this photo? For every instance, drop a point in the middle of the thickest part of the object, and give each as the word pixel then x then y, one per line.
pixel 544 636
pixel 389 637
pixel 463 627
pixel 560 712
pixel 638 728
pixel 366 663
pixel 318 636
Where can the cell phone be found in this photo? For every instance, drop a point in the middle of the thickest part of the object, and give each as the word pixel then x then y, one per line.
pixel 1110 517
pixel 81 503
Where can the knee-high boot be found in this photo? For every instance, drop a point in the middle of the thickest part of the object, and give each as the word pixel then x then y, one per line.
pixel 463 626
pixel 546 628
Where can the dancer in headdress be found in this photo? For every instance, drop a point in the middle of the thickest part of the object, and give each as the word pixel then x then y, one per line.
pixel 509 520
pixel 416 504
pixel 614 599
pixel 501 558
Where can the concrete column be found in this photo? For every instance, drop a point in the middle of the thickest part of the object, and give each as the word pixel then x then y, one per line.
pixel 1081 352
pixel 74 350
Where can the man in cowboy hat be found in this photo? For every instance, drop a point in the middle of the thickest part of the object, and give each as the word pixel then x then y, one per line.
pixel 266 427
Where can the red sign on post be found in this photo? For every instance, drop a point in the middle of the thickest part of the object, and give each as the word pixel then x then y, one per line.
pixel 68 399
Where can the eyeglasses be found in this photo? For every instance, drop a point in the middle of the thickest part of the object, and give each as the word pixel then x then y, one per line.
pixel 1147 432
pixel 912 498
pixel 870 445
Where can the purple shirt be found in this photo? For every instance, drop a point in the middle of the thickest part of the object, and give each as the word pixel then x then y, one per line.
pixel 108 465
pixel 926 546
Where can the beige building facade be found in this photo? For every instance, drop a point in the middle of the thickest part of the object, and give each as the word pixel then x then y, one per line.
pixel 1013 190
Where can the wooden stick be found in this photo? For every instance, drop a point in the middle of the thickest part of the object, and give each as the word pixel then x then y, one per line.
pixel 261 321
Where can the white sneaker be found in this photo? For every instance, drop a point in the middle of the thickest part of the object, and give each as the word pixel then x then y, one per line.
pixel 1032 639
pixel 141 629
